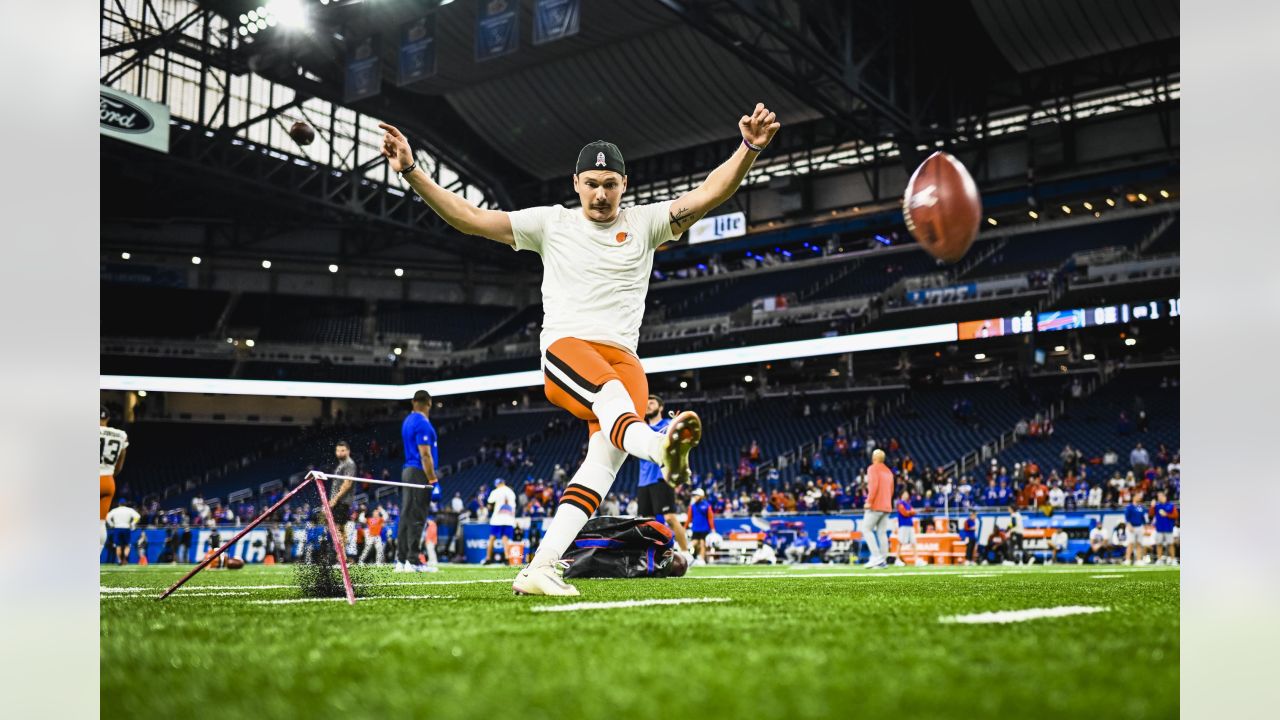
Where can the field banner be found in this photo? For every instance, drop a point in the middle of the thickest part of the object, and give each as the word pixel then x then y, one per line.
pixel 417 59
pixel 555 19
pixel 132 119
pixel 497 28
pixel 364 69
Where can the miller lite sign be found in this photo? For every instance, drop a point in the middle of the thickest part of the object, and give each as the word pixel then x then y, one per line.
pixel 132 119
pixel 718 227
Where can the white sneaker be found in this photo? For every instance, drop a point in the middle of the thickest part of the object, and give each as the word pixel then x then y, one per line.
pixel 402 567
pixel 426 568
pixel 878 565
pixel 683 434
pixel 546 579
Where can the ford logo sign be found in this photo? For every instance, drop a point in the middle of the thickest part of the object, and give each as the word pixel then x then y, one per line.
pixel 121 115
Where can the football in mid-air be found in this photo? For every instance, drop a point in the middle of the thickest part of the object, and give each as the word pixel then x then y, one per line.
pixel 942 208
pixel 302 133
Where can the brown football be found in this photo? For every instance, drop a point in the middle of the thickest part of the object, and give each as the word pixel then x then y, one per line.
pixel 234 563
pixel 942 208
pixel 302 133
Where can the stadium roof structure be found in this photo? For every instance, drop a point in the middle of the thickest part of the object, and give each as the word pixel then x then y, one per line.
pixel 666 80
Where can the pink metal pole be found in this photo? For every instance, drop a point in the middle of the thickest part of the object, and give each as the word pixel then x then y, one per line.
pixel 205 563
pixel 338 548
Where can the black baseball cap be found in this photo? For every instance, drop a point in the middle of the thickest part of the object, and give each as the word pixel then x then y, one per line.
pixel 600 155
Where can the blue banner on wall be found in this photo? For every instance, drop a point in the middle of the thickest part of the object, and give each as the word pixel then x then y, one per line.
pixel 555 19
pixel 364 69
pixel 497 28
pixel 417 59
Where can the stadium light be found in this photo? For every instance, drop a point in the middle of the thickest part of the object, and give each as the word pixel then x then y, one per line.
pixel 1066 209
pixel 1090 356
pixel 249 342
pixel 195 259
pixel 142 393
pixel 333 268
pixel 1130 341
pixel 244 30
pixel 683 384
pixel 399 272
pixel 397 351
pixel 1142 197
pixel 125 256
pixel 513 403
pixel 992 221
pixel 1034 215
pixel 1111 202
pixel 266 264
pixel 230 340
pixel 1164 194
pixel 1088 205
pixel 290 13
pixel 979 356
pixel 1059 348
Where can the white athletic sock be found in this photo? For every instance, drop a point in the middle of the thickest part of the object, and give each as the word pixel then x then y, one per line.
pixel 586 489
pixel 620 424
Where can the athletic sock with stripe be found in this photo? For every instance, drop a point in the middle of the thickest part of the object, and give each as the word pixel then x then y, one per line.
pixel 622 427
pixel 581 498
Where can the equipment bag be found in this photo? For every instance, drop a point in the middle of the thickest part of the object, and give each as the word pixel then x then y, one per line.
pixel 624 547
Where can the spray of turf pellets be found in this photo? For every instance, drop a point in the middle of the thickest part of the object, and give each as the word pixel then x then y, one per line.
pixel 318 576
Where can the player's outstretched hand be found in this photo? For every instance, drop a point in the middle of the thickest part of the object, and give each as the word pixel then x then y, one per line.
pixel 759 127
pixel 395 148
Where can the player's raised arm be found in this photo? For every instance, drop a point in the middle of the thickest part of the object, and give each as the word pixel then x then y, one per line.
pixel 757 130
pixel 460 214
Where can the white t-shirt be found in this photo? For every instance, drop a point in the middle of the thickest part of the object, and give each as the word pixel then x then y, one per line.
pixel 111 442
pixel 123 517
pixel 503 500
pixel 595 275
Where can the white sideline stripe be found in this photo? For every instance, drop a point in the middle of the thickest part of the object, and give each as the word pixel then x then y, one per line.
pixel 624 604
pixel 1013 616
pixel 291 601
pixel 978 575
pixel 1101 577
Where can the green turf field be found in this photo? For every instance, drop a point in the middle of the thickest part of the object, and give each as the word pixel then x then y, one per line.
pixel 781 642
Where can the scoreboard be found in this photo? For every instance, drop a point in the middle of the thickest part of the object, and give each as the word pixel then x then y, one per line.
pixel 1056 320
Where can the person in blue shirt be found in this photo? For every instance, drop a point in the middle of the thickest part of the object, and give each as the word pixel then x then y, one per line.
pixel 702 522
pixel 1166 516
pixel 991 496
pixel 654 497
pixel 1136 517
pixel 907 529
pixel 969 533
pixel 421 457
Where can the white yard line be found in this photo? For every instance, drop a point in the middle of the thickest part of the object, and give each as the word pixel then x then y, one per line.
pixel 180 594
pixel 1013 616
pixel 1102 577
pixel 292 601
pixel 572 607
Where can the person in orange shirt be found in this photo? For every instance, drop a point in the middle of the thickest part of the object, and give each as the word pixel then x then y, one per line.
pixel 875 519
pixel 374 522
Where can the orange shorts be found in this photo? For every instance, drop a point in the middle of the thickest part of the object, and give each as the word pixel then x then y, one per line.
pixel 581 368
pixel 106 491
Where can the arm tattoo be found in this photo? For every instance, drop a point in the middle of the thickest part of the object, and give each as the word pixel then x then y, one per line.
pixel 680 217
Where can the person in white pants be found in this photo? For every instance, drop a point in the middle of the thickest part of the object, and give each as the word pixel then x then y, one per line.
pixel 373 523
pixel 875 521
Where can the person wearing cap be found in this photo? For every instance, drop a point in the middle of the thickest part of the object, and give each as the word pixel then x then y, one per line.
pixel 702 522
pixel 112 444
pixel 502 517
pixel 597 260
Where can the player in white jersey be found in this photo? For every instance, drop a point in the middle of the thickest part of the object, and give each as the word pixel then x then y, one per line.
pixel 596 265
pixel 112 443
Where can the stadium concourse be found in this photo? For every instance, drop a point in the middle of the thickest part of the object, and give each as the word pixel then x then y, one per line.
pixel 309 217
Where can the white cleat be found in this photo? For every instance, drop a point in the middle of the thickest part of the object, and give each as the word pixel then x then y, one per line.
pixel 544 580
pixel 402 567
pixel 683 434
pixel 922 563
pixel 878 565
pixel 427 568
